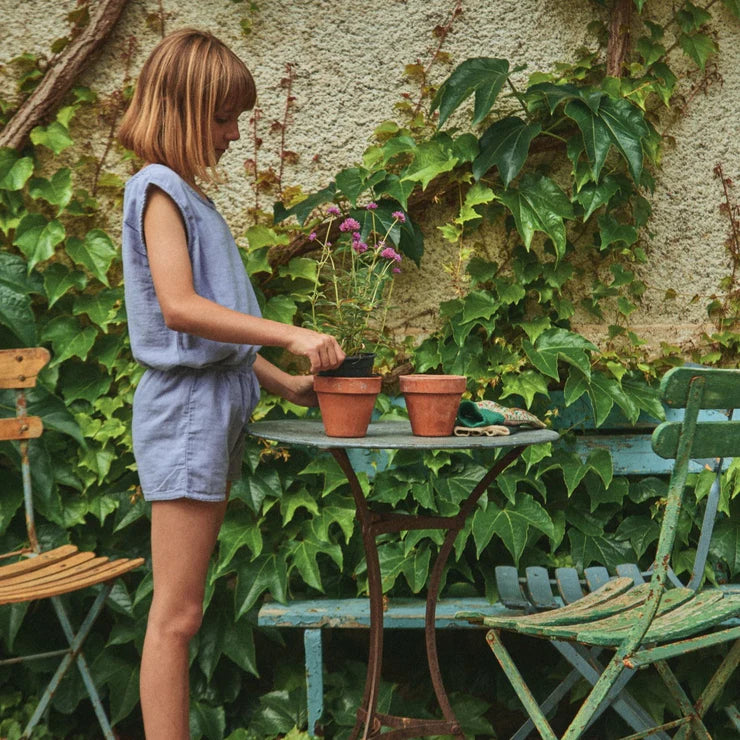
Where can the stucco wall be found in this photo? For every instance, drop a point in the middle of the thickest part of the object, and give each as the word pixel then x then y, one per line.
pixel 349 59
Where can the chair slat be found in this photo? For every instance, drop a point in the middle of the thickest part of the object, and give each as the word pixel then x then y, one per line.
pixel 21 427
pixel 711 439
pixel 630 570
pixel 538 583
pixel 509 591
pixel 72 581
pixel 76 563
pixel 721 390
pixel 19 367
pixel 569 584
pixel 596 576
pixel 37 561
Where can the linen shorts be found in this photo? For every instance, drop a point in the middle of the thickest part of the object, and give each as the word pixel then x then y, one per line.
pixel 188 430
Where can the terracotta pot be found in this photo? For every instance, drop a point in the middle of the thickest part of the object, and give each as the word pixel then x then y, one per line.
pixel 432 402
pixel 346 404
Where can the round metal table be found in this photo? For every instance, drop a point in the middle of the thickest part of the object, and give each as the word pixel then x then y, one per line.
pixel 396 435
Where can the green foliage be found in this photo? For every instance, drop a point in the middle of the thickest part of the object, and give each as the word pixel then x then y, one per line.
pixel 563 168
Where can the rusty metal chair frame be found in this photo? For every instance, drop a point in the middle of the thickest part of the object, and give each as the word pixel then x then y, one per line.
pixel 38 574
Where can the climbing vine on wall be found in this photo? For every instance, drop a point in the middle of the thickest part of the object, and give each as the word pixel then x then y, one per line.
pixel 560 168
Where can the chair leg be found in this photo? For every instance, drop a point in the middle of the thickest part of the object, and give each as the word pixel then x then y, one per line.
pixel 314 677
pixel 493 638
pixel 684 703
pixel 586 663
pixel 75 653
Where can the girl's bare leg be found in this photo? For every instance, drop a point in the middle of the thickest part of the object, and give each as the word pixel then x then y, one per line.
pixel 183 537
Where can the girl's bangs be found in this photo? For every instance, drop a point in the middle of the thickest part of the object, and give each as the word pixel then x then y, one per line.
pixel 235 86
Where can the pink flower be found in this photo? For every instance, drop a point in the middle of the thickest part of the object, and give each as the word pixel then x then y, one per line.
pixel 396 269
pixel 390 254
pixel 349 224
pixel 359 247
pixel 312 236
pixel 371 206
pixel 356 236
pixel 399 216
pixel 333 210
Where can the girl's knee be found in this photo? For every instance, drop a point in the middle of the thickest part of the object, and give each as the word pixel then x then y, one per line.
pixel 179 623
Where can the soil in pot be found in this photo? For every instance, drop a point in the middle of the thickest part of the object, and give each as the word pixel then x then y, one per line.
pixel 432 402
pixel 346 404
pixel 353 366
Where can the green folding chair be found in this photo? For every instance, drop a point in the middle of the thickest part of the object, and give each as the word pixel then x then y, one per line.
pixel 35 574
pixel 648 623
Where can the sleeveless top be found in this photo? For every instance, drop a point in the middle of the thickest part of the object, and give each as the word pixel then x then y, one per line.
pixel 218 275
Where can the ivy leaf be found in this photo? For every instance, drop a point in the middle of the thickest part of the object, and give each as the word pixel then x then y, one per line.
pixel 266 573
pixel 555 94
pixel 627 128
pixel 17 315
pixel 239 528
pixel 290 502
pixel 207 721
pixel 600 549
pixel 122 680
pixel 645 397
pixel 691 18
pixel 14 169
pixel 479 304
pixel 482 76
pixel 263 236
pixel 639 531
pixel 726 544
pixel 526 383
pixel 592 196
pixel 280 308
pixel 36 238
pixel 613 232
pixel 604 393
pixel 239 646
pixel 697 46
pixel 55 136
pixel 416 568
pixel 304 209
pixel 477 195
pixel 59 280
pixel 395 188
pixel 505 144
pixel 95 252
pixel 68 339
pixel 538 204
pixel 511 524
pixel 305 552
pixel 596 137
pixel 101 307
pixel 57 191
pixel 351 182
pixel 559 344
pixel 431 158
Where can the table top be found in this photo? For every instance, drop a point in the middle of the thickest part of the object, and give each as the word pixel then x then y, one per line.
pixel 389 435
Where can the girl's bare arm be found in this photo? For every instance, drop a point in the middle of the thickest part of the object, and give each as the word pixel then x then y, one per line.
pixel 186 311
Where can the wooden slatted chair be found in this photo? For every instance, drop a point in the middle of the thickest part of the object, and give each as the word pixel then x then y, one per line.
pixel 36 574
pixel 647 623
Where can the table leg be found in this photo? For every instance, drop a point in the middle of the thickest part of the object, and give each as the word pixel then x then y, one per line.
pixel 368 719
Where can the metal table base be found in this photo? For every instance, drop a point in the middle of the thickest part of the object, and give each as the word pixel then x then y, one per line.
pixel 397 435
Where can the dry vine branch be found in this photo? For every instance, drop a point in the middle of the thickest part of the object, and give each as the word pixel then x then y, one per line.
pixel 619 37
pixel 60 78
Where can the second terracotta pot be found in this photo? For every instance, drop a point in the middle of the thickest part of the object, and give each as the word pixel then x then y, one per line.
pixel 346 404
pixel 432 402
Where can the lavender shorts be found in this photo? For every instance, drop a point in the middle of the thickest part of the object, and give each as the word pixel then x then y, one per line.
pixel 188 430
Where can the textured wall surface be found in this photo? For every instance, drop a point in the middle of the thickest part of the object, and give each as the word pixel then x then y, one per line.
pixel 349 59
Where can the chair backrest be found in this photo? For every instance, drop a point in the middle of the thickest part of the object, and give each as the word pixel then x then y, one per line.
pixel 19 369
pixel 694 389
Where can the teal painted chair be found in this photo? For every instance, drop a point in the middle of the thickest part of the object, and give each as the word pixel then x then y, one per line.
pixel 647 623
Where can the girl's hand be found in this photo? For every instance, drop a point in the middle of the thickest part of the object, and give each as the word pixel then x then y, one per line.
pixel 322 350
pixel 302 392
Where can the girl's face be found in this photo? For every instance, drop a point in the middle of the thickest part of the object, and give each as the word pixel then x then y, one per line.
pixel 225 129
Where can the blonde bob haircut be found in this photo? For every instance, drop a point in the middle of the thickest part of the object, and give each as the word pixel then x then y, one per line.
pixel 189 76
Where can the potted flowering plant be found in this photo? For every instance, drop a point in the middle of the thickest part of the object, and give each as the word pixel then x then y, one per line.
pixel 350 299
pixel 354 284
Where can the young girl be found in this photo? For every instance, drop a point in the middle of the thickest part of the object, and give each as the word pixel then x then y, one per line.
pixel 195 325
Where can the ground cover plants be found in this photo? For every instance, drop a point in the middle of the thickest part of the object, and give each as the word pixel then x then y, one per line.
pixel 562 168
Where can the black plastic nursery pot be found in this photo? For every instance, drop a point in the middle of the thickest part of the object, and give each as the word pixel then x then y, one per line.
pixel 353 366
